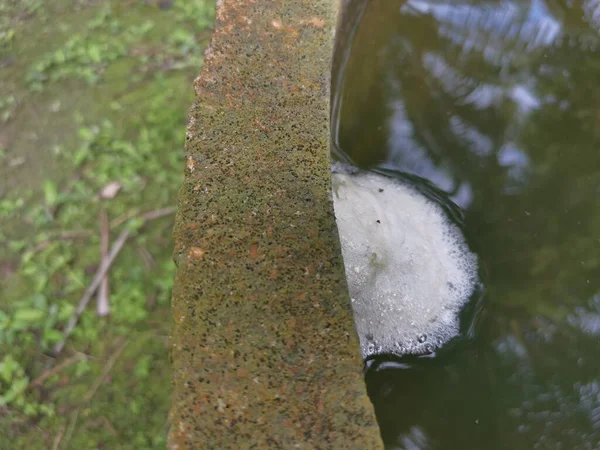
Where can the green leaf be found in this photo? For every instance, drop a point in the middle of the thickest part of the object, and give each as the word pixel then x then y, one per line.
pixel 94 53
pixel 80 156
pixel 51 336
pixel 16 389
pixel 142 368
pixel 8 367
pixel 39 301
pixel 60 57
pixel 86 134
pixel 29 315
pixel 134 225
pixel 82 367
pixel 50 193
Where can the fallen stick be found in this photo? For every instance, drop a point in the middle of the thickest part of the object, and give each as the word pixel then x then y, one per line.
pixel 102 302
pixel 146 216
pixel 47 374
pixel 104 266
pixel 124 218
pixel 67 235
pixel 58 438
pixel 122 342
pixel 157 214
pixel 70 428
pixel 75 414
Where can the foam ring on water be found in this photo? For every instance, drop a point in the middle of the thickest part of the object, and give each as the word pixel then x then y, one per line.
pixel 409 269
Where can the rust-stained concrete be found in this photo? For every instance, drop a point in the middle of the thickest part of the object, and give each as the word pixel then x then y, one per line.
pixel 264 349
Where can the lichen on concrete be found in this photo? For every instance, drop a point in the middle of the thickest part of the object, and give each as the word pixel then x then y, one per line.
pixel 264 349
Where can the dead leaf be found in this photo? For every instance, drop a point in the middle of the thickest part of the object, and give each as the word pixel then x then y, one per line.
pixel 110 190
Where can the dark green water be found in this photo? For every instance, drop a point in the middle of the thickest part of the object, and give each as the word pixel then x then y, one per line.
pixel 497 103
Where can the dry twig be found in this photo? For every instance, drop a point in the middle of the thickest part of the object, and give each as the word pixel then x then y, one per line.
pixel 75 415
pixel 87 295
pixel 70 428
pixel 49 373
pixel 107 368
pixel 103 305
pixel 146 216
pixel 58 438
pixel 157 214
pixel 64 236
pixel 124 218
pixel 101 272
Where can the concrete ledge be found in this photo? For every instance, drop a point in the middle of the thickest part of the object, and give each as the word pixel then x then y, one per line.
pixel 264 349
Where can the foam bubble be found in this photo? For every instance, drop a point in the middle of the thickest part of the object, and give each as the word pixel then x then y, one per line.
pixel 408 267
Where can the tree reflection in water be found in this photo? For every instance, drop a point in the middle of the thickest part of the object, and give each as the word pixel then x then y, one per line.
pixel 497 103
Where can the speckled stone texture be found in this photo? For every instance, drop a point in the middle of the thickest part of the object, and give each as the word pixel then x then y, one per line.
pixel 264 349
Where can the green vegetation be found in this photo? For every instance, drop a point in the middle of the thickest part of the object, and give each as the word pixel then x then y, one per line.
pixel 93 105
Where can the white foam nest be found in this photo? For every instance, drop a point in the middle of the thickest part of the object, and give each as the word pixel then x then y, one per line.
pixel 408 266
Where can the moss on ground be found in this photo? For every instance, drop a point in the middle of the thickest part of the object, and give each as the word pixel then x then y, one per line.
pixel 92 93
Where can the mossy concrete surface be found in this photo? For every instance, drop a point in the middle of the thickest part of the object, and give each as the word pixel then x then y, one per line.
pixel 264 349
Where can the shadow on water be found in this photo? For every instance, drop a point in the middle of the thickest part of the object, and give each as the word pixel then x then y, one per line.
pixel 496 103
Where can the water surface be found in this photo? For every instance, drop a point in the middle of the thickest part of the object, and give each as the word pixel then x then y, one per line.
pixel 498 104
